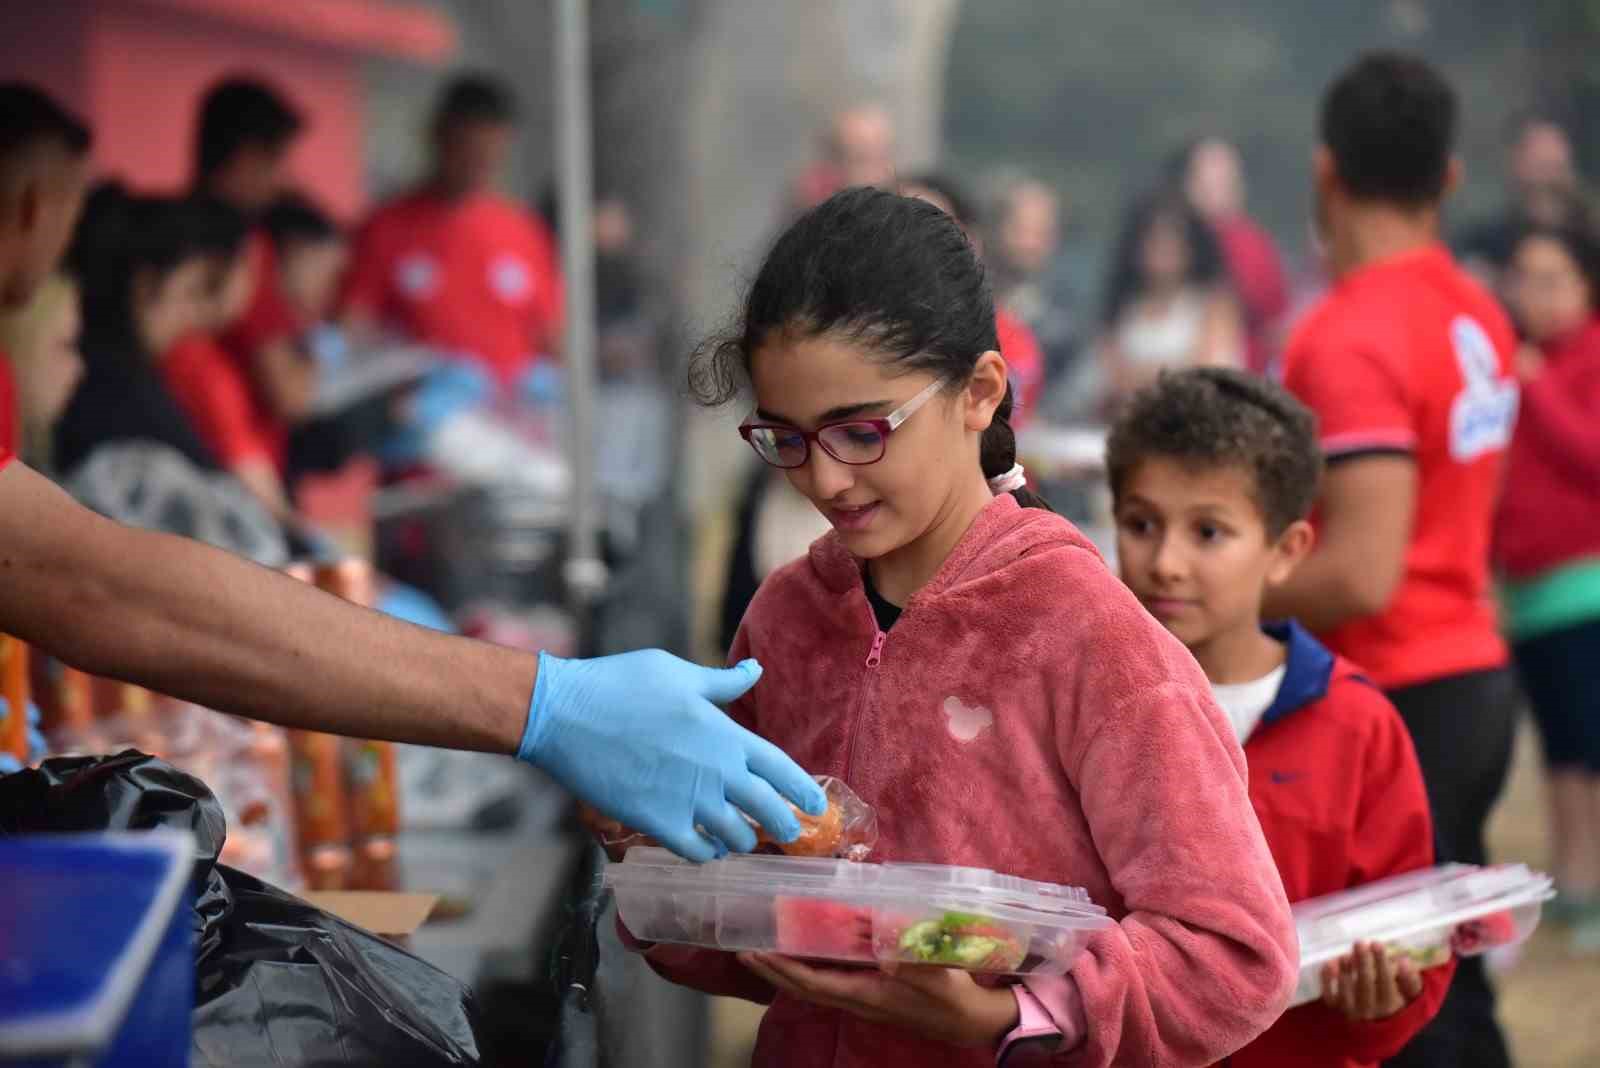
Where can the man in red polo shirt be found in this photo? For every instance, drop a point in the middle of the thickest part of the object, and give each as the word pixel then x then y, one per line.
pixel 1407 364
pixel 242 141
pixel 455 265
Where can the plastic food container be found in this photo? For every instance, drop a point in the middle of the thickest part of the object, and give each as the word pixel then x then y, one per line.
pixel 838 910
pixel 1428 915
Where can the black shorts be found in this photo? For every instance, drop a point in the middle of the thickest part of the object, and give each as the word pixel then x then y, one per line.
pixel 1560 673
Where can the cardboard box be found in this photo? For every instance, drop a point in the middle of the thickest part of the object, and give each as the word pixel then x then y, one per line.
pixel 392 914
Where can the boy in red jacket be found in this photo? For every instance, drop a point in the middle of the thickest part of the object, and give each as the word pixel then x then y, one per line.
pixel 1213 473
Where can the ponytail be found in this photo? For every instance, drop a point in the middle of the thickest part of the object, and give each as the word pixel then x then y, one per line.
pixel 997 453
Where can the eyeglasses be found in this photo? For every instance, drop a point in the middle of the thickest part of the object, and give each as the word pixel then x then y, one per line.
pixel 856 442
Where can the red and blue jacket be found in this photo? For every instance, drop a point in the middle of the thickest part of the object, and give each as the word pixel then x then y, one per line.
pixel 1336 785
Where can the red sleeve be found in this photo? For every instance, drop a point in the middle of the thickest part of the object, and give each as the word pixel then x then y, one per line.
pixel 1558 414
pixel 710 970
pixel 216 398
pixel 1257 270
pixel 1393 835
pixel 1025 360
pixel 550 297
pixel 1355 383
pixel 268 317
pixel 366 280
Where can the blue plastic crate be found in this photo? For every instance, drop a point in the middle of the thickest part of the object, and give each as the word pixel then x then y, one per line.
pixel 96 965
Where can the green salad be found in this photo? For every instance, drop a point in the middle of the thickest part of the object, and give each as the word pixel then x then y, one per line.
pixel 962 940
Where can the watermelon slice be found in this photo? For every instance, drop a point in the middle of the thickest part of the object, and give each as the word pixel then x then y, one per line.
pixel 1485 932
pixel 829 930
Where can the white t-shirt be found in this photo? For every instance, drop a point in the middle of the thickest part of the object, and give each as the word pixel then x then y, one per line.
pixel 1246 702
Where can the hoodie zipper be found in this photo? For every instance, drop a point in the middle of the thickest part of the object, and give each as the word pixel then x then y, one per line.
pixel 874 658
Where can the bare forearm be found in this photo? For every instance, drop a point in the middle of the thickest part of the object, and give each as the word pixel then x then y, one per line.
pixel 197 623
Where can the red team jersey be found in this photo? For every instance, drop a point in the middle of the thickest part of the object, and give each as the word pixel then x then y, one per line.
pixel 217 398
pixel 479 277
pixel 1411 355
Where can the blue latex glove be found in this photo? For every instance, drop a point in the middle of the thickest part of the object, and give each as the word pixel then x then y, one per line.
pixel 412 605
pixel 544 385
pixel 639 737
pixel 36 743
pixel 448 389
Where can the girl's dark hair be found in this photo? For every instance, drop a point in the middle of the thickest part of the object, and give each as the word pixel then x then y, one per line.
pixel 1579 242
pixel 893 273
pixel 1126 281
pixel 293 217
pixel 215 227
pixel 120 235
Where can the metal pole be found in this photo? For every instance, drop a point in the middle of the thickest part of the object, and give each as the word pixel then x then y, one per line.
pixel 585 570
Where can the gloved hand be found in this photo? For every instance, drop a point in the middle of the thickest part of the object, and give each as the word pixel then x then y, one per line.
pixel 449 389
pixel 639 736
pixel 544 385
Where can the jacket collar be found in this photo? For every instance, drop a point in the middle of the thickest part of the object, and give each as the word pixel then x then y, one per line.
pixel 1308 671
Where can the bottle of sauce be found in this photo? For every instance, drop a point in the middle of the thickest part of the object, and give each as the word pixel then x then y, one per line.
pixel 15 689
pixel 321 805
pixel 370 767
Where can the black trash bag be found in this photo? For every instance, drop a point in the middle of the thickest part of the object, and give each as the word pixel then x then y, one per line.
pixel 277 982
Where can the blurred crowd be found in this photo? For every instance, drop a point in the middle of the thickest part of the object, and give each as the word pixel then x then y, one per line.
pixel 229 361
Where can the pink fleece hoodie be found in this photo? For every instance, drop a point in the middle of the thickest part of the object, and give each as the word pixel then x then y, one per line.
pixel 1025 714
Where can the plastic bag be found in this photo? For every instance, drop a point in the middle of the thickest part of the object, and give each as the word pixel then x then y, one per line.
pixel 848 829
pixel 278 982
pixel 244 764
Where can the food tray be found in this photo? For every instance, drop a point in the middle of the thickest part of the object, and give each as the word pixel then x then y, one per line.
pixel 1427 915
pixel 836 910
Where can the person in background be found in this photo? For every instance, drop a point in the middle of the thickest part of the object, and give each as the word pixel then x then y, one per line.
pixel 1542 189
pixel 858 149
pixel 453 263
pixel 1213 473
pixel 40 338
pixel 1547 543
pixel 1024 253
pixel 637 735
pixel 243 137
pixel 312 256
pixel 1018 345
pixel 206 383
pixel 147 283
pixel 1210 175
pixel 1168 301
pixel 1407 365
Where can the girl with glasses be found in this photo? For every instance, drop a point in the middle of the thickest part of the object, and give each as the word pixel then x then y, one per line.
pixel 961 657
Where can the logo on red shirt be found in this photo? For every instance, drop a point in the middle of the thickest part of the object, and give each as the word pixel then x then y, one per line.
pixel 510 279
pixel 416 276
pixel 1484 413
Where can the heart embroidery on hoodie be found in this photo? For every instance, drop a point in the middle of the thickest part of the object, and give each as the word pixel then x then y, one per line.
pixel 966 723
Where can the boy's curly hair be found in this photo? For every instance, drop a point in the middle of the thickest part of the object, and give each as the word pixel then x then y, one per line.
pixel 1211 417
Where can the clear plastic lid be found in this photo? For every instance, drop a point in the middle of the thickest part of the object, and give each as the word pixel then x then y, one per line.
pixel 1396 907
pixel 844 911
pixel 1050 897
pixel 977 887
